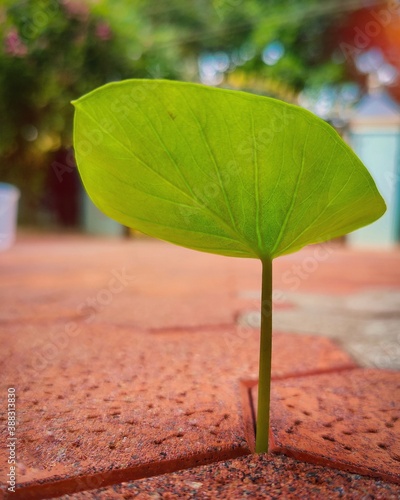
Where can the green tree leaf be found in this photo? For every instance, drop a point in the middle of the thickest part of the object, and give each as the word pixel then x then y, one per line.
pixel 217 170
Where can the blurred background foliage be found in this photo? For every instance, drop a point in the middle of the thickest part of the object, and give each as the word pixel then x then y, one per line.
pixel 53 51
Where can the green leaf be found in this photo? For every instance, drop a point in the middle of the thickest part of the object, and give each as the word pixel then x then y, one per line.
pixel 220 171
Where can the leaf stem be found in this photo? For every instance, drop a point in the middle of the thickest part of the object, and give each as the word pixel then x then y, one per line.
pixel 264 378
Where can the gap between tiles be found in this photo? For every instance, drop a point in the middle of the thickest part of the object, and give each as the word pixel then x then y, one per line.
pixel 189 328
pixel 41 489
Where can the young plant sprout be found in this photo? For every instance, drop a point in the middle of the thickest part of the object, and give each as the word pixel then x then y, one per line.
pixel 221 171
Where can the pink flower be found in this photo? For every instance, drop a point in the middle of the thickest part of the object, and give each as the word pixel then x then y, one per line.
pixel 14 45
pixel 76 9
pixel 103 31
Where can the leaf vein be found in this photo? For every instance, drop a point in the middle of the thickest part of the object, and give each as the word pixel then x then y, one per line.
pixel 294 196
pixel 212 156
pixel 256 180
pixel 323 211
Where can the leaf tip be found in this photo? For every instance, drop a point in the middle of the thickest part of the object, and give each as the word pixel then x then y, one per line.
pixel 76 103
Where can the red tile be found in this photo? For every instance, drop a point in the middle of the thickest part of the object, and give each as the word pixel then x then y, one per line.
pixel 348 420
pixel 146 285
pixel 294 355
pixel 116 403
pixel 51 277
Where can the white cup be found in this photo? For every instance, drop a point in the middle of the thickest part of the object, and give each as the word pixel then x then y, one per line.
pixel 9 196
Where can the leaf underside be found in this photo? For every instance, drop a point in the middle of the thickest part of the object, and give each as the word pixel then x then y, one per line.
pixel 217 170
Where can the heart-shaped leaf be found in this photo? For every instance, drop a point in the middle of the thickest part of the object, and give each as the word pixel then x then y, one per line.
pixel 218 170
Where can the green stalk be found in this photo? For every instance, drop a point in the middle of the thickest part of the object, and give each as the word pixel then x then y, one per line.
pixel 264 377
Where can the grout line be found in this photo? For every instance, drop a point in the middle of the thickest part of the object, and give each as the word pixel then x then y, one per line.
pixel 248 414
pixel 180 328
pixel 311 373
pixel 252 382
pixel 253 410
pixel 42 489
pixel 338 464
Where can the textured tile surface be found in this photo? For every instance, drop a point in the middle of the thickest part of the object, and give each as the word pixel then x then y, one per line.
pixel 127 356
pixel 348 420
